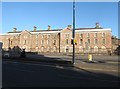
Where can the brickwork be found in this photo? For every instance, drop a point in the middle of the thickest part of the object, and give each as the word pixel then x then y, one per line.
pixel 88 40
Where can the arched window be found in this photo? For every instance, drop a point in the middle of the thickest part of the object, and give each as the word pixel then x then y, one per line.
pixel 95 48
pixel 48 49
pixel 81 41
pixel 80 48
pixel 67 41
pixel 42 49
pixel 95 41
pixel 55 49
pixel 95 34
pixel 103 48
pixel 36 48
pixel 103 34
pixel 103 41
pixel 81 35
pixel 88 41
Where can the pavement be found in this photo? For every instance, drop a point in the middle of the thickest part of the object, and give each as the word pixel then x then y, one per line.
pixel 96 66
pixel 66 61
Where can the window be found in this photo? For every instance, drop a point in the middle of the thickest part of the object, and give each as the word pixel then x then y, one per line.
pixel 42 41
pixel 36 42
pixel 42 36
pixel 36 48
pixel 24 42
pixel 48 41
pixel 48 49
pixel 88 49
pixel 88 41
pixel 103 41
pixel 103 48
pixel 81 35
pixel 54 49
pixel 54 42
pixel 14 37
pixel 48 36
pixel 42 49
pixel 95 48
pixel 11 42
pixel 95 41
pixel 25 36
pixel 95 34
pixel 88 35
pixel 103 34
pixel 67 35
pixel 81 41
pixel 54 36
pixel 67 42
pixel 81 48
pixel 36 36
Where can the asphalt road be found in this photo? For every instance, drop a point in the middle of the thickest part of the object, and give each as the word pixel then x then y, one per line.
pixel 23 74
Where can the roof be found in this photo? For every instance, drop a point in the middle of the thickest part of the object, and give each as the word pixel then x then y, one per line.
pixel 47 30
pixel 77 29
pixel 15 32
pixel 87 28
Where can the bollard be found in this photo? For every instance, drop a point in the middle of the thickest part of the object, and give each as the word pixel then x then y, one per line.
pixel 90 57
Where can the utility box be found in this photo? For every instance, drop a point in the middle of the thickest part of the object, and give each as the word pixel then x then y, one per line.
pixel 90 57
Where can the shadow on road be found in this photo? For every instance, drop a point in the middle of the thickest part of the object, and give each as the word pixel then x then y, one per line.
pixel 54 77
pixel 23 75
pixel 39 58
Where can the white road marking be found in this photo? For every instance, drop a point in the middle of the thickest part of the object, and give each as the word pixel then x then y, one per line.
pixel 61 67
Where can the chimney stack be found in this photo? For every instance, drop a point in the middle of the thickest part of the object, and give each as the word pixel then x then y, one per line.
pixel 49 27
pixel 14 29
pixel 97 25
pixel 69 26
pixel 35 28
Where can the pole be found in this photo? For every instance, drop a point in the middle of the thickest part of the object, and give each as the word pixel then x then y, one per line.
pixel 73 34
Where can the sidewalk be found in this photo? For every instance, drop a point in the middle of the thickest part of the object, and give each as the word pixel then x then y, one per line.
pixel 95 66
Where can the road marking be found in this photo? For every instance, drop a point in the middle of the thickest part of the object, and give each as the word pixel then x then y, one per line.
pixel 61 67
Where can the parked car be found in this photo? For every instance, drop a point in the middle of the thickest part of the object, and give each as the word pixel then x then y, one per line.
pixel 6 54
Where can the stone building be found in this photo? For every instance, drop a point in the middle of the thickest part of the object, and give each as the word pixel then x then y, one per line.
pixel 115 45
pixel 88 40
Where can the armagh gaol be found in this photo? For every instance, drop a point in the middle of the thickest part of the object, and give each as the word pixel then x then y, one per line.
pixel 87 40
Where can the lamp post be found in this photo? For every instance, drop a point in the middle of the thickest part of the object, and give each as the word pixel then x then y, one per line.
pixel 73 32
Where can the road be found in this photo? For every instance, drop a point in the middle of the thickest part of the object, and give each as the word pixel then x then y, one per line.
pixel 28 74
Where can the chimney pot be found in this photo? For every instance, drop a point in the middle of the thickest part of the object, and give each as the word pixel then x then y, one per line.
pixel 70 26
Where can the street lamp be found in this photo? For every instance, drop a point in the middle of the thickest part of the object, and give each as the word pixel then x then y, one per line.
pixel 73 32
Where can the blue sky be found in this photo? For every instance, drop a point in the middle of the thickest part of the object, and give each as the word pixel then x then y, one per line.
pixel 25 15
